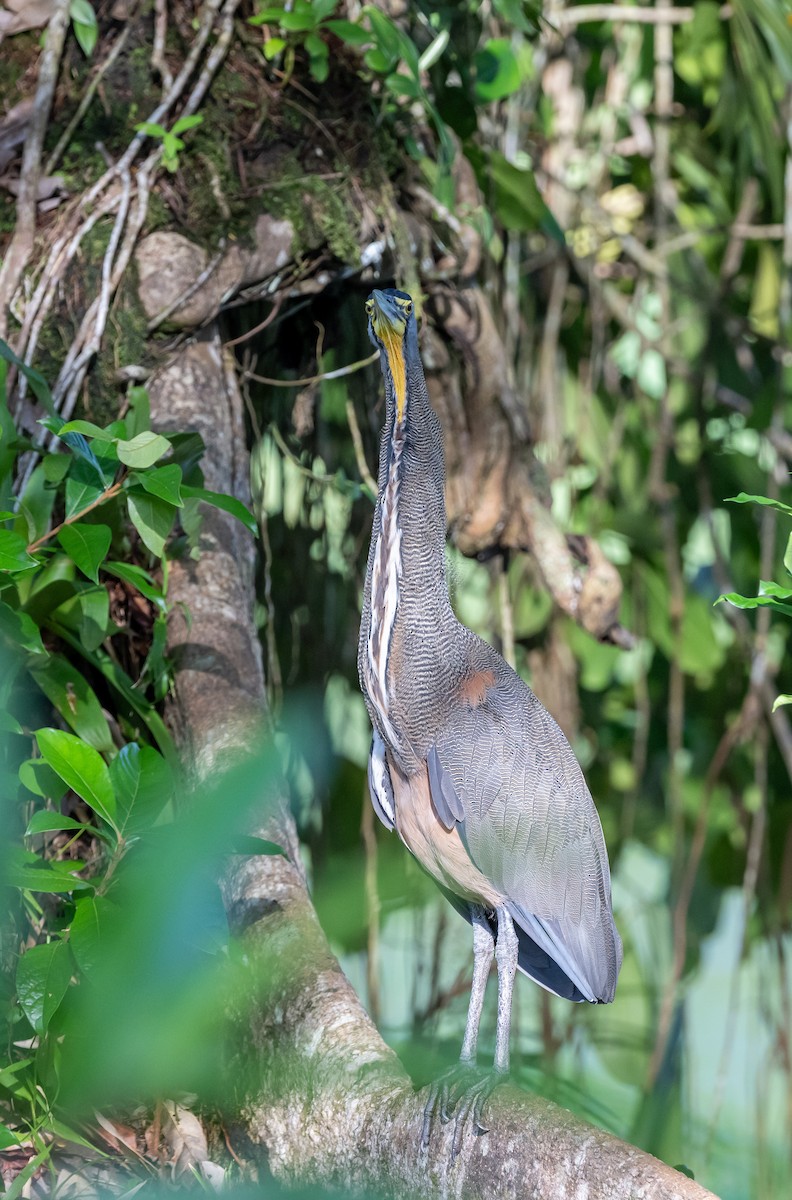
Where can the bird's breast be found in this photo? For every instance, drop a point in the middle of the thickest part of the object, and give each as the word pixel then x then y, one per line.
pixel 441 852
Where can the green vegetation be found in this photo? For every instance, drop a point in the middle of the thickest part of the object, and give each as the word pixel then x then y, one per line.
pixel 630 230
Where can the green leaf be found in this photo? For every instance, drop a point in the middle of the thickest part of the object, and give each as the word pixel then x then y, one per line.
pixel 143 450
pixel 42 977
pixel 69 692
pixel 151 128
pixel 153 518
pixel 765 501
pixel 788 555
pixel 228 504
pixel 323 8
pixel 139 579
pixel 164 482
pixel 88 429
pixel 38 384
pixel 41 780
pixel 52 822
pixel 84 485
pixel 55 467
pixel 781 700
pixel 143 785
pixel 9 1138
pixel 33 874
pixel 273 47
pixel 267 16
pixel 139 415
pixel 19 629
pixel 87 546
pixel 348 32
pixel 81 767
pixel 14 555
pixel 498 73
pixel 755 602
pixel 87 613
pixel 298 22
pixel 185 123
pixel 88 930
pixel 9 724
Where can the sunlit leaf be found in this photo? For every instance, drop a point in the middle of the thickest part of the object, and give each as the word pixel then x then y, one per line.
pixel 153 518
pixel 143 450
pixel 81 767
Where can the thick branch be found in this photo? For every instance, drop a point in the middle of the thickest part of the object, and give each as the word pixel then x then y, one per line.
pixel 323 1097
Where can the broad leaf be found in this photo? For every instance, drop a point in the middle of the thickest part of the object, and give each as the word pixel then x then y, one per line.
pixel 52 822
pixel 81 767
pixel 86 545
pixel 88 614
pixel 228 504
pixel 14 556
pixel 143 450
pixel 40 779
pixel 42 977
pixel 143 785
pixel 19 629
pixel 87 929
pixel 68 691
pixel 153 518
pixel 164 482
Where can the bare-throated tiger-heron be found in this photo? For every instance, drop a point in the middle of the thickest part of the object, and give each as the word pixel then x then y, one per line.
pixel 466 765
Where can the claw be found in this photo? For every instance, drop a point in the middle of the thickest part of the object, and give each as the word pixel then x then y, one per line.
pixel 459 1095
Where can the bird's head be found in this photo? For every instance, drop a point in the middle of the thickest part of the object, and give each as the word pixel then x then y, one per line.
pixel 392 330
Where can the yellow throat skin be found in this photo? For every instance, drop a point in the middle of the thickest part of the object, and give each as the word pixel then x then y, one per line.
pixel 392 338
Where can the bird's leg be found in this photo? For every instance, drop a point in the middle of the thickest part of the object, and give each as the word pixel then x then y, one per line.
pixel 461 1090
pixel 483 952
pixel 470 1102
pixel 506 951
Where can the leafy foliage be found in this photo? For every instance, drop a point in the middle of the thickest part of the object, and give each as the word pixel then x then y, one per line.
pixel 97 789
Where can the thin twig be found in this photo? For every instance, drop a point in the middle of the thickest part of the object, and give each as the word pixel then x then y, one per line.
pixel 158 52
pixel 360 454
pixel 106 495
pixel 277 304
pixel 21 246
pixel 338 373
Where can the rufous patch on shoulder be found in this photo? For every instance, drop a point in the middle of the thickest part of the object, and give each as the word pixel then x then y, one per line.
pixel 473 690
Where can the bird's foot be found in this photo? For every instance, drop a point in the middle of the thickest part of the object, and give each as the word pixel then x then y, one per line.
pixel 459 1095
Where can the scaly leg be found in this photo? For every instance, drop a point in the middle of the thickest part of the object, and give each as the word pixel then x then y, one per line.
pixel 506 951
pixel 461 1090
pixel 470 1102
pixel 483 952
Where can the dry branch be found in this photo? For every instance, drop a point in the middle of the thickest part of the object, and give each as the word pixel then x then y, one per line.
pixel 331 1104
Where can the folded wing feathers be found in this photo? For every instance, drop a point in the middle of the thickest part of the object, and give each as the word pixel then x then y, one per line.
pixel 531 827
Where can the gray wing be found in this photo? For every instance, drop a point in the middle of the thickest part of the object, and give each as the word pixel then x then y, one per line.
pixel 380 784
pixel 531 827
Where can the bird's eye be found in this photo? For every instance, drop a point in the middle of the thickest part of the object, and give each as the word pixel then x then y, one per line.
pixel 369 307
pixel 408 307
